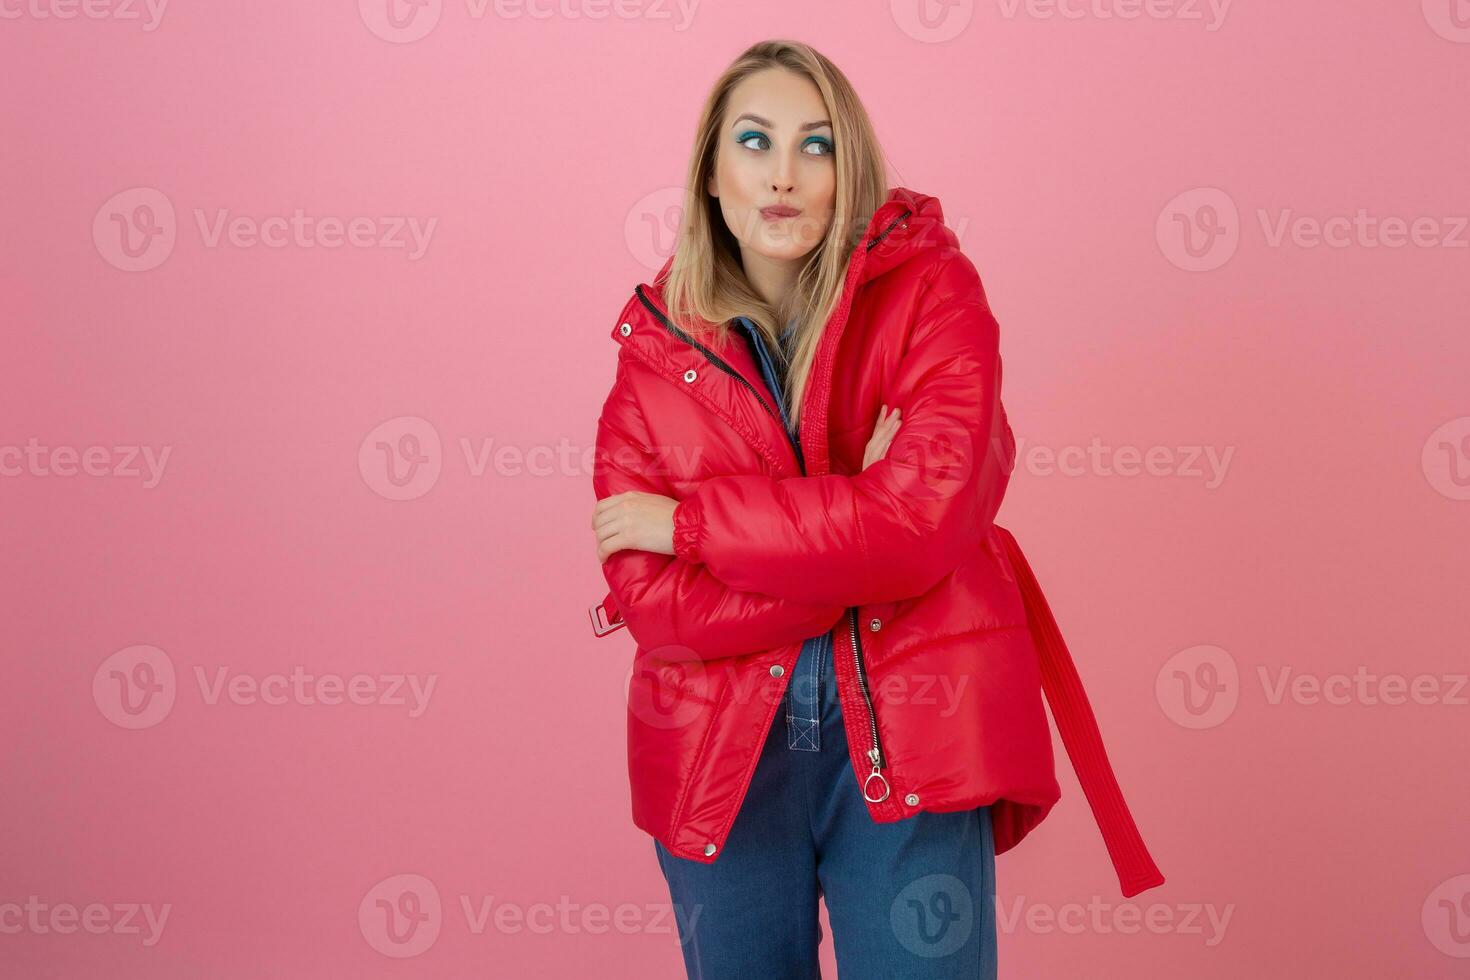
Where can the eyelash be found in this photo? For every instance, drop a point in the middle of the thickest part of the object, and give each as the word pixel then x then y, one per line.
pixel 813 140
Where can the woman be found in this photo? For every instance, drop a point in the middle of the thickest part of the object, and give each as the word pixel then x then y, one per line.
pixel 779 542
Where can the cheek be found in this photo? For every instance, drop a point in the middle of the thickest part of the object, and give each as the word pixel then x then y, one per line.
pixel 735 177
pixel 739 193
pixel 821 195
pixel 824 191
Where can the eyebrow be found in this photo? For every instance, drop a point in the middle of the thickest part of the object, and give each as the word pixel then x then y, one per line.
pixel 770 125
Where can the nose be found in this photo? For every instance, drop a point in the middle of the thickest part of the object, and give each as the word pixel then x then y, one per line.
pixel 782 180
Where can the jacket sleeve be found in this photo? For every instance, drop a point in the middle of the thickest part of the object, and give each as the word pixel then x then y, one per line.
pixel 674 609
pixel 895 529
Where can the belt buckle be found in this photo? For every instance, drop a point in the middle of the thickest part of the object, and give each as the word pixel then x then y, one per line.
pixel 600 624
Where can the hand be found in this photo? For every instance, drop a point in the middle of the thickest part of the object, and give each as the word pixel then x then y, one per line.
pixel 882 437
pixel 634 520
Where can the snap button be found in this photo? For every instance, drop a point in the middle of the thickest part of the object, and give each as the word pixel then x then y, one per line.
pixel 689 375
pixel 777 670
pixel 625 329
pixel 912 799
pixel 709 849
pixel 875 625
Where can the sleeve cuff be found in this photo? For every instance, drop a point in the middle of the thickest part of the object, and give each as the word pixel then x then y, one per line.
pixel 687 530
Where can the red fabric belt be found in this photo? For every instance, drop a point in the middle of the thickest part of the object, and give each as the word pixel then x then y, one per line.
pixel 1075 720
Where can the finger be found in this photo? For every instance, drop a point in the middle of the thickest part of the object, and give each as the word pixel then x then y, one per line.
pixel 613 499
pixel 611 545
pixel 611 504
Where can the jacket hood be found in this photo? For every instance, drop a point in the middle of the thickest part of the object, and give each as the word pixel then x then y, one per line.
pixel 922 227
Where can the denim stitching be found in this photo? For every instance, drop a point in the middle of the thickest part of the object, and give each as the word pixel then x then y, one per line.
pixel 806 733
pixel 800 732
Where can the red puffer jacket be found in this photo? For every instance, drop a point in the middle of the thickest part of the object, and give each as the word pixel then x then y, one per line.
pixel 944 643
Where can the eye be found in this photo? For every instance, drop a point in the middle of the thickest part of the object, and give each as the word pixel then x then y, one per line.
pixel 818 146
pixel 744 140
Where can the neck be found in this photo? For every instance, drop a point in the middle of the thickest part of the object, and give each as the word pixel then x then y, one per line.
pixel 772 279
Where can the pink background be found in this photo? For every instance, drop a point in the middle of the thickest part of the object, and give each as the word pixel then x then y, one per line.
pixel 544 149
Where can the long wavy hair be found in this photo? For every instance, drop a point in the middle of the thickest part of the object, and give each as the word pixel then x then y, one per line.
pixel 706 286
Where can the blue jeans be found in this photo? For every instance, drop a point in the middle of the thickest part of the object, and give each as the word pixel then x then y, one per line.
pixel 910 900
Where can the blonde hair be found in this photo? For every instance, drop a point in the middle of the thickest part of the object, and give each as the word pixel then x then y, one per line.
pixel 706 286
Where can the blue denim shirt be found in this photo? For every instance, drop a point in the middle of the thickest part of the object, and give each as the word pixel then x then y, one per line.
pixel 802 700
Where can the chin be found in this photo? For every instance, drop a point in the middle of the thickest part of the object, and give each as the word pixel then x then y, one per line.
pixel 791 253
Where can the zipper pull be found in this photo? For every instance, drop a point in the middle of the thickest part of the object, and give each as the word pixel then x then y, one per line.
pixel 877 760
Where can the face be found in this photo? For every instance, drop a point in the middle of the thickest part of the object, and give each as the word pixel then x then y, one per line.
pixel 774 172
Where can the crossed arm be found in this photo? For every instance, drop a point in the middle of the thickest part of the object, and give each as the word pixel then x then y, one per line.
pixel 777 548
pixel 677 609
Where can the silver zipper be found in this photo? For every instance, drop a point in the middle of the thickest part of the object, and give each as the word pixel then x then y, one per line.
pixel 875 750
pixel 875 753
